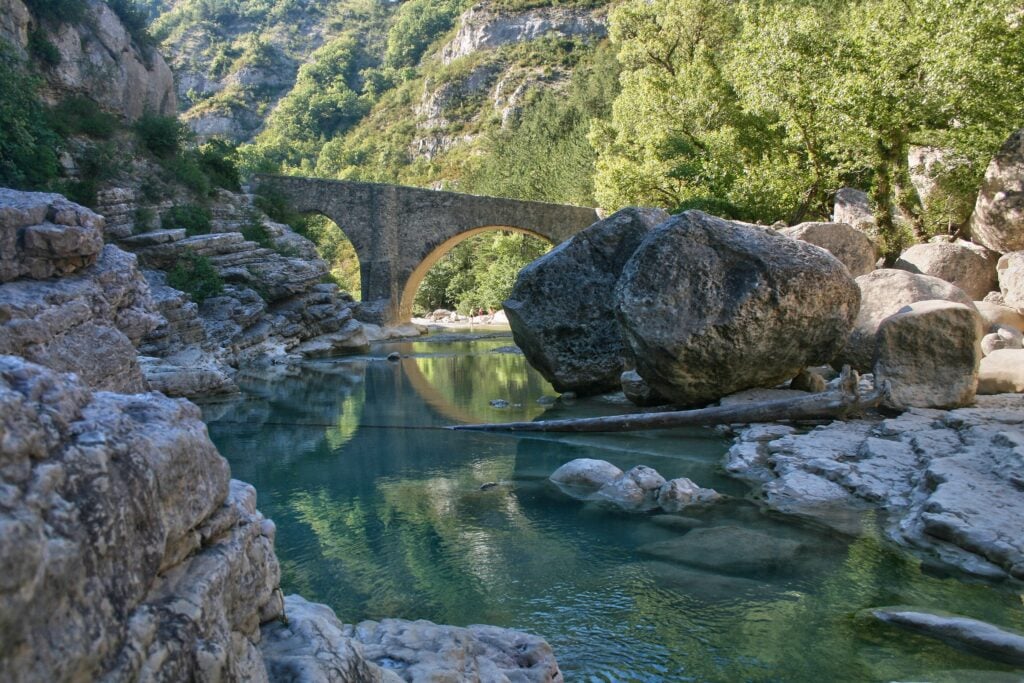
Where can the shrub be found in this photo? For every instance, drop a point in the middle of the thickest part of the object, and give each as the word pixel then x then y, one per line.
pixel 187 170
pixel 144 219
pixel 196 276
pixel 194 218
pixel 81 116
pixel 28 158
pixel 135 20
pixel 161 135
pixel 254 231
pixel 58 11
pixel 41 48
pixel 217 161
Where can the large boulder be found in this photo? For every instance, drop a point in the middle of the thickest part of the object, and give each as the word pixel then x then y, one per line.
pixel 997 315
pixel 42 235
pixel 851 246
pixel 883 293
pixel 929 353
pixel 89 322
pixel 1011 278
pixel 636 489
pixel 853 207
pixel 952 262
pixel 123 543
pixel 998 219
pixel 710 307
pixel 560 308
pixel 1002 372
pixel 585 475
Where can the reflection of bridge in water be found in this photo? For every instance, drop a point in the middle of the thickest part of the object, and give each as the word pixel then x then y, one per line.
pixel 400 232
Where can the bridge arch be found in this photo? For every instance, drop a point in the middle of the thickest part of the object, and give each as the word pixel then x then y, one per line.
pixel 412 285
pixel 395 230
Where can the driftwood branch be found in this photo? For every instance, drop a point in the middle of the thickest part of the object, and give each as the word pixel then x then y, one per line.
pixel 838 403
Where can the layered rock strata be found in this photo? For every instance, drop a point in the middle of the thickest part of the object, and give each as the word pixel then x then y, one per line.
pixel 948 483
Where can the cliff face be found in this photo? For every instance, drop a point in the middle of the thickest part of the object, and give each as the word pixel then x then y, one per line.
pixel 98 59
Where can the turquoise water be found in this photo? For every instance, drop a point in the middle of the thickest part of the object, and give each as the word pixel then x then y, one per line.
pixel 380 513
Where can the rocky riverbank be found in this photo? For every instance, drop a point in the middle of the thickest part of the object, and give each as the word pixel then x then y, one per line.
pixel 126 550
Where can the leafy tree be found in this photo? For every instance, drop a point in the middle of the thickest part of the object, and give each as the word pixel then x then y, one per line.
pixel 27 145
pixel 417 24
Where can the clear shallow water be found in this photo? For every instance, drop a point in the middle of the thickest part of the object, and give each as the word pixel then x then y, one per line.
pixel 380 513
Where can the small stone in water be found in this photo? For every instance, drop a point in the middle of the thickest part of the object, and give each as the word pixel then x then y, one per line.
pixel 394 356
pixel 488 486
pixel 499 403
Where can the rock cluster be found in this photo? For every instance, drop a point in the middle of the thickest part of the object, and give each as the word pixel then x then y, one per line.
pixel 638 490
pixel 948 481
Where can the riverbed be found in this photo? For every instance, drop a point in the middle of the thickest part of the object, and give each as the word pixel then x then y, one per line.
pixel 383 512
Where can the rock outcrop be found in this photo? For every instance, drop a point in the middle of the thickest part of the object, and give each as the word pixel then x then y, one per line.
pixel 851 246
pixel 43 235
pixel 710 307
pixel 99 60
pixel 972 635
pixel 482 28
pixel 127 553
pixel 560 307
pixel 1011 278
pixel 998 219
pixel 948 481
pixel 883 293
pixel 929 353
pixel 953 262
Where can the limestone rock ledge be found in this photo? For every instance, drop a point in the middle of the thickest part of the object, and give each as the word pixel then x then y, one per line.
pixel 947 483
pixel 125 551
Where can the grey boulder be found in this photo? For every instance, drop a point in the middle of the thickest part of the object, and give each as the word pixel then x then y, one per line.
pixel 851 246
pixel 953 262
pixel 1011 278
pixel 883 293
pixel 710 307
pixel 560 308
pixel 585 475
pixel 998 219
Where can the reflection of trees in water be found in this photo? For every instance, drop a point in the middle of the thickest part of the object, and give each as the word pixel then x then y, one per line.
pixel 287 417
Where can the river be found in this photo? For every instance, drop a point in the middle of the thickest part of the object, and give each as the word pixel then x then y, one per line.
pixel 381 513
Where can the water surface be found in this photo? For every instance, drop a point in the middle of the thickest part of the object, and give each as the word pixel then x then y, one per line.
pixel 380 513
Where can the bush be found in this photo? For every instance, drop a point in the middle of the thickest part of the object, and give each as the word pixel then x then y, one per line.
pixel 81 116
pixel 196 276
pixel 41 48
pixel 194 218
pixel 254 231
pixel 161 135
pixel 217 161
pixel 58 11
pixel 186 168
pixel 144 219
pixel 135 20
pixel 28 158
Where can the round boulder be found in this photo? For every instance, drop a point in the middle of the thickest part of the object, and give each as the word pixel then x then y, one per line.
pixel 849 245
pixel 1011 278
pixel 585 474
pixel 1002 372
pixel 710 307
pixel 997 315
pixel 637 489
pixel 560 308
pixel 929 353
pixel 954 263
pixel 678 494
pixel 883 293
pixel 998 219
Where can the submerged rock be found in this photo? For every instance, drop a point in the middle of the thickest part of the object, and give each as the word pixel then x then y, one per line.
pixel 679 494
pixel 978 637
pixel 710 307
pixel 728 549
pixel 585 475
pixel 636 489
pixel 560 308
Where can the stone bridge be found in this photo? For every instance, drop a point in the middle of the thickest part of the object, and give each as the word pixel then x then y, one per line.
pixel 400 232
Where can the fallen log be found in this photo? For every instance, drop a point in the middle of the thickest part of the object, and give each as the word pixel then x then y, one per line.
pixel 838 403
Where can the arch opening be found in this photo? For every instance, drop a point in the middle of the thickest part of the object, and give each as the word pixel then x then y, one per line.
pixel 471 270
pixel 334 247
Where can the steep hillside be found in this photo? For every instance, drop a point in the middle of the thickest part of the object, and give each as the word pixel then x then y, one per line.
pixel 409 92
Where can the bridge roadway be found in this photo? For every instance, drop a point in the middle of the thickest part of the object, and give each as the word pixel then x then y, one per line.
pixel 400 232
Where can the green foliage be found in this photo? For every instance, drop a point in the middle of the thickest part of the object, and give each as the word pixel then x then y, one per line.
pixel 144 217
pixel 58 11
pixel 40 47
pixel 78 115
pixel 194 218
pixel 196 276
pixel 771 105
pixel 478 273
pixel 417 24
pixel 186 168
pixel 334 248
pixel 96 163
pixel 218 161
pixel 161 135
pixel 28 158
pixel 254 231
